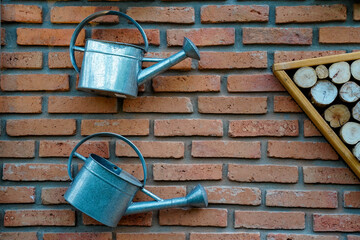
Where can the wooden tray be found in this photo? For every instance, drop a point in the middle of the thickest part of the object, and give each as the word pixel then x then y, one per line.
pixel 308 108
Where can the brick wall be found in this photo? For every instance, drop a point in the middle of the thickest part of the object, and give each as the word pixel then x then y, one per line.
pixel 224 122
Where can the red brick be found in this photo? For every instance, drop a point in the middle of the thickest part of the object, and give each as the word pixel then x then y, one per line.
pixel 134 169
pixel 25 60
pixel 17 194
pixel 165 192
pixel 226 149
pixel 56 148
pixel 353 237
pixel 329 175
pixel 47 36
pixel 288 36
pixel 269 220
pixel 72 14
pixel 286 104
pixel 35 82
pixel 123 35
pixel 53 195
pixel 19 218
pixel 186 172
pixel 308 14
pixel 194 217
pixel 78 236
pixel 35 172
pixel 184 65
pixel 233 60
pixel 158 105
pixel 140 219
pixel 301 150
pixel 18 235
pixel 282 236
pixel 21 13
pixel 234 195
pixel 132 127
pixel 232 105
pixel 253 128
pixel 150 236
pixel 351 199
pixel 17 149
pixel 288 56
pixel 62 59
pixel 201 36
pixel 305 199
pixel 254 83
pixel 65 104
pixel 38 127
pixel 3 37
pixel 234 13
pixel 188 127
pixel 339 35
pixel 20 104
pixel 356 9
pixel 310 130
pixel 184 15
pixel 336 223
pixel 151 149
pixel 189 83
pixel 263 173
pixel 224 236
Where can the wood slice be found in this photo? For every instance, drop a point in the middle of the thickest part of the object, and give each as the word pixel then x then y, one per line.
pixel 323 93
pixel 356 111
pixel 356 151
pixel 355 69
pixel 350 133
pixel 339 72
pixel 305 77
pixel 349 92
pixel 337 115
pixel 322 72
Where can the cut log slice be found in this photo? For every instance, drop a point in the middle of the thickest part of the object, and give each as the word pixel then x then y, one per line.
pixel 350 133
pixel 355 69
pixel 322 72
pixel 305 77
pixel 339 72
pixel 337 115
pixel 356 112
pixel 323 93
pixel 349 92
pixel 356 151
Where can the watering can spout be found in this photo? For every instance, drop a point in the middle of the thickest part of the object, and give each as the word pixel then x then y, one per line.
pixel 188 50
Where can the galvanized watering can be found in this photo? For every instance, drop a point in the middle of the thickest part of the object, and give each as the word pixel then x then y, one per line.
pixel 114 69
pixel 105 192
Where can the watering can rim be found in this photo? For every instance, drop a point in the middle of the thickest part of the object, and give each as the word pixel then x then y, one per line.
pixel 117 43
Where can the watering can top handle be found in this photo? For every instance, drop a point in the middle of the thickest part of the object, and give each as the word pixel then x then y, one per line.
pixel 92 17
pixel 112 135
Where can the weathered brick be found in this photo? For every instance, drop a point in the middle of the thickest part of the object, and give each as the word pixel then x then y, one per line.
pixel 151 149
pixel 201 36
pixel 184 65
pixel 184 15
pixel 47 36
pixel 19 218
pixel 336 222
pixel 288 36
pixel 186 172
pixel 2 37
pixel 20 104
pixel 226 149
pixel 194 217
pixel 140 219
pixel 21 13
pixel 232 105
pixel 329 175
pixel 17 194
pixel 56 148
pixel 189 83
pixel 356 9
pixel 351 199
pixel 134 169
pixel 18 235
pixel 224 236
pixel 158 105
pixel 35 172
pixel 353 237
pixel 263 173
pixel 150 236
pixel 62 59
pixel 35 82
pixel 165 192
pixel 188 127
pixel 78 236
pixel 132 127
pixel 288 56
pixel 283 236
pixel 254 83
pixel 309 14
pixel 310 130
pixel 233 60
pixel 269 220
pixel 64 104
pixel 339 35
pixel 53 195
pixel 301 150
pixel 17 149
pixel 38 127
pixel 286 104
pixel 234 13
pixel 234 195
pixel 305 199
pixel 124 35
pixel 74 14
pixel 26 60
pixel 253 128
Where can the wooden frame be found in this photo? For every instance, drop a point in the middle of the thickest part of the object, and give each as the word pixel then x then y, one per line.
pixel 308 108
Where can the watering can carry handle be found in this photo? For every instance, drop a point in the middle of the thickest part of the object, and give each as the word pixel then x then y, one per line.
pixel 92 17
pixel 73 152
